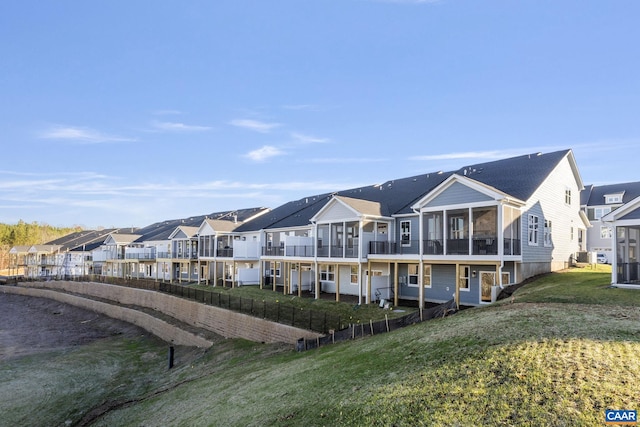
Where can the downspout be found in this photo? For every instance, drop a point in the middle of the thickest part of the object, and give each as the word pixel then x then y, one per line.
pixel 421 264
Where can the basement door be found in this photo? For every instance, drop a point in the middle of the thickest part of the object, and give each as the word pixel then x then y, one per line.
pixel 487 280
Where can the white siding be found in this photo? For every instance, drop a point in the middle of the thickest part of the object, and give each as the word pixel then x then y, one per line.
pixel 548 202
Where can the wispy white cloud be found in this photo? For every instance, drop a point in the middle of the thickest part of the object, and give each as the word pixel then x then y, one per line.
pixel 308 139
pixel 254 125
pixel 82 135
pixel 264 153
pixel 179 127
pixel 490 154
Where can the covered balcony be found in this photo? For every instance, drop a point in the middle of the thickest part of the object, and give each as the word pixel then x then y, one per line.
pixel 471 231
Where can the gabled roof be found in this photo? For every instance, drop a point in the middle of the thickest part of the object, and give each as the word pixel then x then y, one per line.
pixel 187 231
pixel 122 239
pixel 20 249
pixel 358 207
pixel 163 229
pixel 365 207
pixel 84 238
pixel 596 194
pixel 478 186
pixel 49 249
pixel 396 196
pixel 518 177
pixel 628 211
pixel 220 225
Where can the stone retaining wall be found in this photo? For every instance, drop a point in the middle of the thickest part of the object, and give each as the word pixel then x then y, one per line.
pixel 157 327
pixel 223 322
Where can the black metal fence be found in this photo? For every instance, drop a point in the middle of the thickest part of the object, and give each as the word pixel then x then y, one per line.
pixel 314 320
pixel 360 330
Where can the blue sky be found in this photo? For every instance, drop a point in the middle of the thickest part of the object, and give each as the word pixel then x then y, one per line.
pixel 124 113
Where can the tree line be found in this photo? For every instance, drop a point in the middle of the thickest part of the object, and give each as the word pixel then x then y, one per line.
pixel 25 234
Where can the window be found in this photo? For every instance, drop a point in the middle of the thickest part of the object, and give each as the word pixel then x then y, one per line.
pixel 426 275
pixel 567 196
pixel 456 228
pixel 613 198
pixel 405 233
pixel 600 212
pixel 533 230
pixel 571 234
pixel 413 274
pixel 605 232
pixel 354 274
pixel 506 278
pixel 275 269
pixel 547 232
pixel 327 273
pixel 463 280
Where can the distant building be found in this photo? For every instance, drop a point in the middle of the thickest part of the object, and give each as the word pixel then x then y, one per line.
pixel 598 201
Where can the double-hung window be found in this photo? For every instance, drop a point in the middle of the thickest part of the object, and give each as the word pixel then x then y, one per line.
pixel 426 275
pixel 533 230
pixel 327 273
pixel 463 280
pixel 413 274
pixel 547 232
pixel 405 233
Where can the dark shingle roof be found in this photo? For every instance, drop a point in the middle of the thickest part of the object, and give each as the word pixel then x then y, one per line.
pixel 82 238
pixel 518 176
pixel 163 229
pixel 596 195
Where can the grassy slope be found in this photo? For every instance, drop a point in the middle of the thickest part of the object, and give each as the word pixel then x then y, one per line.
pixel 545 358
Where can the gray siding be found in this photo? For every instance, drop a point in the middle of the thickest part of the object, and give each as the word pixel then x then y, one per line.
pixel 442 277
pixel 458 194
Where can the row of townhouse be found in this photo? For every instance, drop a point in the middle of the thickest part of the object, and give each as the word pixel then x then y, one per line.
pixel 462 234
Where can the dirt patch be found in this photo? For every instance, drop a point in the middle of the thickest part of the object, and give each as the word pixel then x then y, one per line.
pixel 30 325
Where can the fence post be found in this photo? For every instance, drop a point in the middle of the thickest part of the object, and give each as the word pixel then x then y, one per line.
pixel 324 327
pixel 171 351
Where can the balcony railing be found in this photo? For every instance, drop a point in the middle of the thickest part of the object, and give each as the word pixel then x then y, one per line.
pixel 273 251
pixel 512 247
pixel 485 245
pixel 192 255
pixel 406 247
pixel 457 246
pixel 299 251
pixel 433 247
pixel 206 252
pixel 139 256
pixel 225 252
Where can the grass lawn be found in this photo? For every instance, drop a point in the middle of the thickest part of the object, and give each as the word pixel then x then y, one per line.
pixel 563 350
pixel 349 311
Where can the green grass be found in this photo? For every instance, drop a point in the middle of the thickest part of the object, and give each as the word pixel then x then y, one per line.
pixel 547 357
pixel 350 312
pixel 580 286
